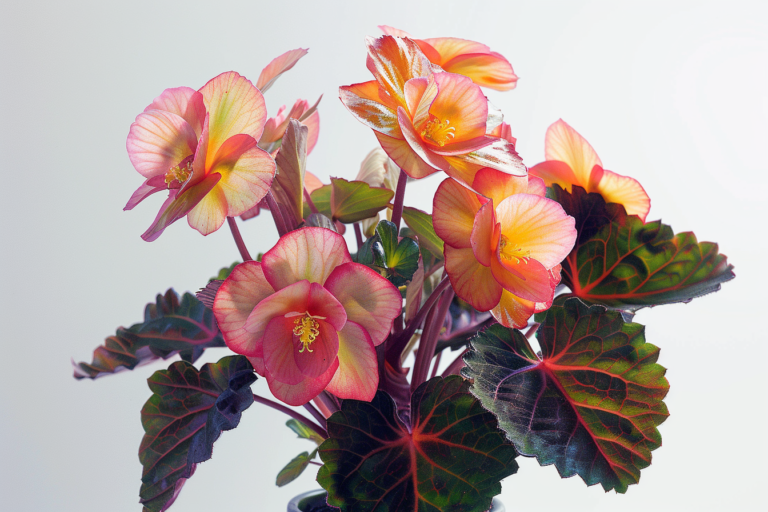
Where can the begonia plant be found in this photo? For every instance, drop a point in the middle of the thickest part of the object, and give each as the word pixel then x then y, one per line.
pixel 408 342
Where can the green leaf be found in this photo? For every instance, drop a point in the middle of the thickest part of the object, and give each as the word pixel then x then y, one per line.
pixel 288 185
pixel 224 272
pixel 421 224
pixel 321 198
pixel 591 403
pixel 296 467
pixel 401 257
pixel 170 327
pixel 451 457
pixel 353 201
pixel 372 253
pixel 183 418
pixel 304 432
pixel 624 264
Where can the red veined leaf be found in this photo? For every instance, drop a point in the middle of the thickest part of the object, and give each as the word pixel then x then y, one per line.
pixel 590 404
pixel 450 458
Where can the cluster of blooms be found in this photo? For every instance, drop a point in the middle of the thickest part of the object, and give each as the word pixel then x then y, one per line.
pixel 309 318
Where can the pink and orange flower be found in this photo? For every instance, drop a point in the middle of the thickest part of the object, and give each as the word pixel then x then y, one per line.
pixel 570 160
pixel 201 146
pixel 308 318
pixel 503 245
pixel 425 119
pixel 464 57
pixel 276 126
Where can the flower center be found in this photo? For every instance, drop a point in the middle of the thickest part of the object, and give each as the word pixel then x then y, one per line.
pixel 178 174
pixel 307 329
pixel 508 251
pixel 438 131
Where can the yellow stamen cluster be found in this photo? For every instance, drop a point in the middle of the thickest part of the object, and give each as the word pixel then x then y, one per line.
pixel 438 131
pixel 508 251
pixel 307 329
pixel 178 173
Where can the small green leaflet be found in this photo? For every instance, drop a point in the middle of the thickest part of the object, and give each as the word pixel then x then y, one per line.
pixel 296 467
pixel 421 224
pixel 304 432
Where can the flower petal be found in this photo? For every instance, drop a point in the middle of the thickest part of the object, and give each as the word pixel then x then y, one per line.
pixel 146 189
pixel 291 299
pixel 304 391
pixel 463 147
pixel 369 300
pixel 373 169
pixel 394 61
pixel 179 205
pixel 453 216
pixel 317 357
pixel 616 188
pixel 512 311
pixel 392 31
pixel 490 70
pixel 236 298
pixel 278 351
pixel 313 125
pixel 374 110
pixel 358 374
pixel 419 95
pixel 158 141
pixel 463 104
pixel 405 157
pixel 234 106
pixel 563 143
pixel 497 185
pixel 538 226
pixel 536 186
pixel 185 102
pixel 277 67
pixel 500 155
pixel 210 212
pixel 554 171
pixel 414 141
pixel 308 253
pixel 472 282
pixel 526 278
pixel 451 47
pixel 484 231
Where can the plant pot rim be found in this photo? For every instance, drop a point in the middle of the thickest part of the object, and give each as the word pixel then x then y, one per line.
pixel 304 498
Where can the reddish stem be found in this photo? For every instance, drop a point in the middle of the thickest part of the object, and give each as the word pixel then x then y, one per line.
pixel 293 414
pixel 358 235
pixel 277 214
pixel 436 364
pixel 428 340
pixel 316 414
pixel 397 209
pixel 455 367
pixel 238 239
pixel 308 199
pixel 530 332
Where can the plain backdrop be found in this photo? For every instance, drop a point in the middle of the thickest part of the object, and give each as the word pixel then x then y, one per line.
pixel 672 93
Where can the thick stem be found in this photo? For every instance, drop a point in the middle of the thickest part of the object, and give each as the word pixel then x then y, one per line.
pixel 358 235
pixel 428 340
pixel 293 414
pixel 397 209
pixel 328 402
pixel 532 330
pixel 436 364
pixel 316 414
pixel 308 199
pixel 277 214
pixel 238 239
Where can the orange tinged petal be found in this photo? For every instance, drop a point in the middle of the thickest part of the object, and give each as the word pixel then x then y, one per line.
pixel 497 185
pixel 453 216
pixel 483 233
pixel 234 106
pixel 616 188
pixel 413 139
pixel 210 212
pixel 158 141
pixel 371 108
pixel 308 253
pixel 419 95
pixel 538 228
pixel 526 278
pixel 451 47
pixel 472 282
pixel 392 31
pixel 358 376
pixel 405 157
pixel 184 102
pixel 304 391
pixel 536 186
pixel 564 144
pixel 238 295
pixel 394 61
pixel 499 155
pixel 462 104
pixel 490 70
pixel 512 311
pixel 277 67
pixel 554 171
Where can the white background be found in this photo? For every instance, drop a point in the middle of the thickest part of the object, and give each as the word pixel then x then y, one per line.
pixel 671 93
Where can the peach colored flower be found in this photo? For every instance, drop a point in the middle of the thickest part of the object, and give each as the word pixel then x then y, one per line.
pixel 308 318
pixel 570 160
pixel 464 57
pixel 425 119
pixel 201 146
pixel 503 245
pixel 276 126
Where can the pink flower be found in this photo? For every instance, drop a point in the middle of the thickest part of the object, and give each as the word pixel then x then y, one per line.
pixel 276 126
pixel 308 318
pixel 201 146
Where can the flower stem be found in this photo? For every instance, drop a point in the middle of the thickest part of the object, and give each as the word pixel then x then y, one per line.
pixel 277 214
pixel 238 239
pixel 397 210
pixel 315 414
pixel 358 235
pixel 436 364
pixel 532 330
pixel 293 414
pixel 428 340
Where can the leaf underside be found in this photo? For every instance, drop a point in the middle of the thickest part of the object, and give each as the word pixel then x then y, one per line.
pixel 452 459
pixel 171 326
pixel 591 403
pixel 183 418
pixel 624 264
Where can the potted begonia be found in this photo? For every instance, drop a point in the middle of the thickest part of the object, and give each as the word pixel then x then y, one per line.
pixel 409 345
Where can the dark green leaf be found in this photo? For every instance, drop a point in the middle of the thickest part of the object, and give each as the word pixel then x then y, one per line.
pixel 304 432
pixel 591 403
pixel 170 327
pixel 184 417
pixel 421 224
pixel 353 201
pixel 296 467
pixel 624 264
pixel 401 257
pixel 450 459
pixel 224 272
pixel 371 253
